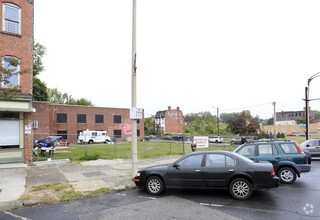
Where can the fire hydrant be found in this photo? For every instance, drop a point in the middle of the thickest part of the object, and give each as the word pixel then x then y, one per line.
pixel 193 147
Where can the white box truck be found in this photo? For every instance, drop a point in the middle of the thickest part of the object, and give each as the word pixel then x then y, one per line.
pixel 93 137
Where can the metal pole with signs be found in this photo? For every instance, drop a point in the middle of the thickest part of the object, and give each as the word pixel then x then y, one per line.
pixel 134 143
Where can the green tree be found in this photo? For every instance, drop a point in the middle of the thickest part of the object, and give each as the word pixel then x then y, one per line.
pixel 149 126
pixel 56 97
pixel 301 120
pixel 203 123
pixel 39 88
pixel 38 53
pixel 245 124
pixel 225 117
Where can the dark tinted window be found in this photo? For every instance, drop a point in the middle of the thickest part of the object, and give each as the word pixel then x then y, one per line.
pixel 117 119
pixel 117 133
pixel 61 118
pixel 219 160
pixel 81 118
pixel 64 134
pixel 99 119
pixel 191 161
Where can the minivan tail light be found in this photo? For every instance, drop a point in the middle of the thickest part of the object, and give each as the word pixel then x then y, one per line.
pixel 272 172
pixel 301 151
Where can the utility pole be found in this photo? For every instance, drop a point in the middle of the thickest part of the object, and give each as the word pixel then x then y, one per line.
pixel 274 121
pixel 134 94
pixel 218 122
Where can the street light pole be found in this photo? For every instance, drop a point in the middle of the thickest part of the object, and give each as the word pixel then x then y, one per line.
pixel 307 89
pixel 134 143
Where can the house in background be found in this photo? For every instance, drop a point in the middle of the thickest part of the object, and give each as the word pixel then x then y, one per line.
pixel 16 41
pixel 69 120
pixel 169 121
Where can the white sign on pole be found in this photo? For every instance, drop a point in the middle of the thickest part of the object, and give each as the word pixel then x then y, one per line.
pixel 136 113
pixel 201 141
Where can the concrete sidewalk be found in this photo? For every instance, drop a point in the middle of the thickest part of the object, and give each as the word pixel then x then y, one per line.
pixel 86 176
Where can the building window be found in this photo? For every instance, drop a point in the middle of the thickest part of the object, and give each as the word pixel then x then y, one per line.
pixel 138 132
pixel 64 134
pixel 35 124
pixel 138 121
pixel 61 118
pixel 11 18
pixel 117 119
pixel 12 64
pixel 99 119
pixel 81 118
pixel 117 133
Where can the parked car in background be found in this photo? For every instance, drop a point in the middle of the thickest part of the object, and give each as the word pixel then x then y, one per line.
pixel 211 170
pixel 150 137
pixel 93 137
pixel 216 139
pixel 178 137
pixel 242 140
pixel 313 146
pixel 287 158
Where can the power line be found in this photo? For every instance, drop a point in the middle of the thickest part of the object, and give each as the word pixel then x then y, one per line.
pixel 244 108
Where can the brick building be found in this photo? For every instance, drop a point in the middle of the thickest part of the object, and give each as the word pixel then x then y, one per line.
pixel 16 42
pixel 69 120
pixel 294 115
pixel 169 121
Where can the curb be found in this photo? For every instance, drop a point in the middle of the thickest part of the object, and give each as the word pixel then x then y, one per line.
pixel 10 205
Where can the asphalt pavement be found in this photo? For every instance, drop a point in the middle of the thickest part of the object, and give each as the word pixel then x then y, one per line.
pixel 86 176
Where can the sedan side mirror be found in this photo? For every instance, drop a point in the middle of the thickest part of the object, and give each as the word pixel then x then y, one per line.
pixel 176 166
pixel 308 145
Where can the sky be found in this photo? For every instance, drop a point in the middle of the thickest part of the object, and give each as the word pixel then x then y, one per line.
pixel 194 54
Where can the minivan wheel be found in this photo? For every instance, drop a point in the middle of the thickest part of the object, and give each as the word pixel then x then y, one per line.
pixel 240 189
pixel 154 185
pixel 287 175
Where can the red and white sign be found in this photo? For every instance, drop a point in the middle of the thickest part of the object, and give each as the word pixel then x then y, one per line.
pixel 201 141
pixel 126 129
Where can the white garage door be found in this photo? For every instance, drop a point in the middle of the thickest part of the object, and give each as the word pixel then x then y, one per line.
pixel 9 132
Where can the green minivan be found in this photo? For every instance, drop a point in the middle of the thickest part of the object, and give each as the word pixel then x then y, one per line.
pixel 287 158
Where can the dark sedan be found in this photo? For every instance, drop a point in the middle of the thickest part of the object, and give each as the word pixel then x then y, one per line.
pixel 212 170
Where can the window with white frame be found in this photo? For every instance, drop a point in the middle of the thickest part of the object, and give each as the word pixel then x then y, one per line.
pixel 11 18
pixel 14 79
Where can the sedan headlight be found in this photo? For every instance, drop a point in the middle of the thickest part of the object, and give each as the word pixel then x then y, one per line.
pixel 138 174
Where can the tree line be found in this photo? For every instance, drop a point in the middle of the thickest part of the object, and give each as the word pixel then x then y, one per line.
pixel 204 123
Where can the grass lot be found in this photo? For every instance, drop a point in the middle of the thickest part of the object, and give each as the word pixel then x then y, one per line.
pixel 147 149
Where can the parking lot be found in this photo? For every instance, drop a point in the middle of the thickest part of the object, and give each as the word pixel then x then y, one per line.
pixel 296 201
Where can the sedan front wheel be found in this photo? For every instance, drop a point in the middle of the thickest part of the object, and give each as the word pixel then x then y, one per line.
pixel 154 185
pixel 240 189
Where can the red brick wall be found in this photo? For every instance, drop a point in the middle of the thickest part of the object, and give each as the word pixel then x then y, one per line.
pixel 28 138
pixel 46 114
pixel 174 121
pixel 20 46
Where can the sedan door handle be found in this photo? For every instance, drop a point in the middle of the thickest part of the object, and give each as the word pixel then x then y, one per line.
pixel 197 170
pixel 277 158
pixel 231 170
